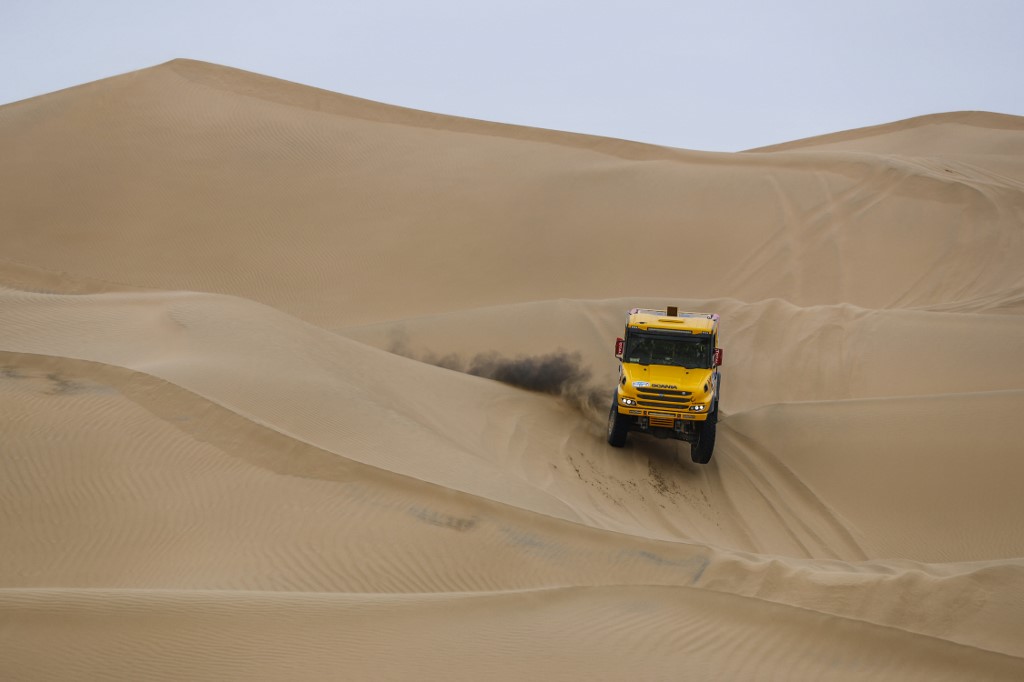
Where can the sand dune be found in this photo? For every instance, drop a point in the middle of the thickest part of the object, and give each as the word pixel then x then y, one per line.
pixel 157 178
pixel 241 438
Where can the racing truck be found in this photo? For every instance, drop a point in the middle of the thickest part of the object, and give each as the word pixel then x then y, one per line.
pixel 669 382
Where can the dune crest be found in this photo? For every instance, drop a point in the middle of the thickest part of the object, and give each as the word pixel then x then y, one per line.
pixel 251 428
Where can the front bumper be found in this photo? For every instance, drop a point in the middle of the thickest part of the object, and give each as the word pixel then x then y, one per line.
pixel 663 413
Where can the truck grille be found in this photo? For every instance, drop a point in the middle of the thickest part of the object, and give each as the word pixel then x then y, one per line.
pixel 668 403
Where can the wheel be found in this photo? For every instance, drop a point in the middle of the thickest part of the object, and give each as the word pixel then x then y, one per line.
pixel 704 447
pixel 618 428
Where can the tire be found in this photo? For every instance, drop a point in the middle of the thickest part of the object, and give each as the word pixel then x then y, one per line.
pixel 704 447
pixel 618 428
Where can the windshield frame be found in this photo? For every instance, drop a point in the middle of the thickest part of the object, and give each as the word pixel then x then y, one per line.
pixel 669 348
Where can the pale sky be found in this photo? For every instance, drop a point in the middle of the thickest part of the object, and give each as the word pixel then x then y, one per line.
pixel 714 75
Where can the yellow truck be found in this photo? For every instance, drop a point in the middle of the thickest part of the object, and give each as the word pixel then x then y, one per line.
pixel 668 379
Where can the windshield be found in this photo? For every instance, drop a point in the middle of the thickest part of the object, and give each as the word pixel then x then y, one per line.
pixel 693 352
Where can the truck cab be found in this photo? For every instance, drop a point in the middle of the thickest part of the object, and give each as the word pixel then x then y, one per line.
pixel 669 381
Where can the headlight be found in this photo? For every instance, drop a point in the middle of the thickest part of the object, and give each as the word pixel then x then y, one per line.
pixel 628 401
pixel 698 408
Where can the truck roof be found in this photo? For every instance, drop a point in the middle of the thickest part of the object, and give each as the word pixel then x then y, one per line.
pixel 643 318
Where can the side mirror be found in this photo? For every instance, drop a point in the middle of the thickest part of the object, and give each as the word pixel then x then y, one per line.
pixel 718 357
pixel 620 345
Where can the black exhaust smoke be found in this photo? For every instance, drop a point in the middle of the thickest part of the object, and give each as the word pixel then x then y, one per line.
pixel 560 373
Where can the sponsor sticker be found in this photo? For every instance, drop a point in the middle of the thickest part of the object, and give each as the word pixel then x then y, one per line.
pixel 641 384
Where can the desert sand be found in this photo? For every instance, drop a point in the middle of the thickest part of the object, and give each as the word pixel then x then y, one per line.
pixel 240 438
